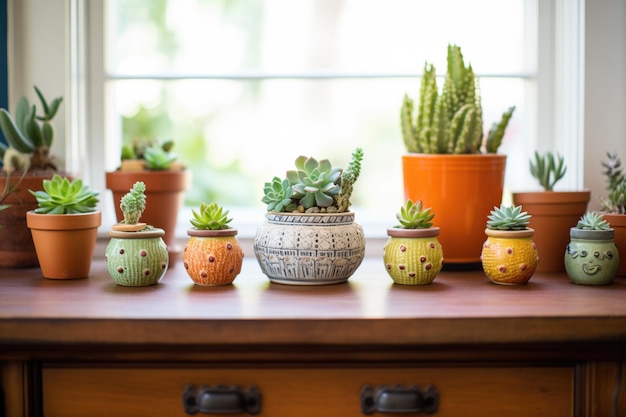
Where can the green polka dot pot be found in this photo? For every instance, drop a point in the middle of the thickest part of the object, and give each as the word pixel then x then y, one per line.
pixel 413 256
pixel 137 259
pixel 591 257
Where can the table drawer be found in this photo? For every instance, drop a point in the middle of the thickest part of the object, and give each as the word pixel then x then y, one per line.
pixel 307 391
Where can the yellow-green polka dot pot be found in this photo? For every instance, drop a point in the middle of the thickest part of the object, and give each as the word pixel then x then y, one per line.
pixel 137 259
pixel 509 257
pixel 413 256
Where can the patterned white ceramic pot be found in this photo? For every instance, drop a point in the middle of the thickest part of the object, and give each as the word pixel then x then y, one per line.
pixel 309 249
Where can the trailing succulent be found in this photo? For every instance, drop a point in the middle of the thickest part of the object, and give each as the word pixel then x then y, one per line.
pixel 29 135
pixel 412 216
pixel 592 221
pixel 508 218
pixel 450 122
pixel 314 186
pixel 62 196
pixel 615 202
pixel 548 169
pixel 210 217
pixel 133 203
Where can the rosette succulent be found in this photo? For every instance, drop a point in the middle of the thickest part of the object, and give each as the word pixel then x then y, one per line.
pixel 133 203
pixel 412 216
pixel 62 196
pixel 508 218
pixel 314 183
pixel 278 195
pixel 210 217
pixel 592 221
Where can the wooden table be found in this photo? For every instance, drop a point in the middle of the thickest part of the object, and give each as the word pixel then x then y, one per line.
pixel 89 347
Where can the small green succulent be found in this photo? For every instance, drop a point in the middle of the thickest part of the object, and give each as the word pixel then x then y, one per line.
pixel 548 169
pixel 158 159
pixel 412 216
pixel 210 217
pixel 508 218
pixel 613 170
pixel 592 221
pixel 278 195
pixel 314 182
pixel 62 196
pixel 133 203
pixel 615 202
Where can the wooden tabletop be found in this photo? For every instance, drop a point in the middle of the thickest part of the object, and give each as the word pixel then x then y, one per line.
pixel 459 307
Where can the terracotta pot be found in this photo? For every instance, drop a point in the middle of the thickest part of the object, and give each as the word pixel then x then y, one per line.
pixel 591 257
pixel 462 190
pixel 213 257
pixel 18 251
pixel 64 243
pixel 618 223
pixel 413 256
pixel 164 197
pixel 509 257
pixel 137 258
pixel 309 249
pixel 553 214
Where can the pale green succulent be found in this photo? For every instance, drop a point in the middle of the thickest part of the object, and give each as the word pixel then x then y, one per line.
pixel 158 159
pixel 62 196
pixel 592 221
pixel 548 169
pixel 314 182
pixel 412 216
pixel 133 203
pixel 210 217
pixel 508 218
pixel 615 202
pixel 450 122
pixel 278 195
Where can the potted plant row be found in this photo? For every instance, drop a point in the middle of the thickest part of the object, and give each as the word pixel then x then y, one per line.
pixel 309 236
pixel 450 162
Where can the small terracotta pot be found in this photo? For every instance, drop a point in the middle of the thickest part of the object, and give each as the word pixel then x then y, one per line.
pixel 618 223
pixel 137 259
pixel 64 243
pixel 509 257
pixel 591 257
pixel 413 256
pixel 213 257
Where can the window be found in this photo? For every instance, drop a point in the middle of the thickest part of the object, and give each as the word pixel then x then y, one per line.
pixel 245 86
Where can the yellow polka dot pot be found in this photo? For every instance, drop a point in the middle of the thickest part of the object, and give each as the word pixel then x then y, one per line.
pixel 413 256
pixel 509 257
pixel 137 259
pixel 213 257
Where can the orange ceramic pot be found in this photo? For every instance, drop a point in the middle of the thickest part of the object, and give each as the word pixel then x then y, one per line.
pixel 64 243
pixel 213 257
pixel 618 223
pixel 462 190
pixel 509 257
pixel 553 214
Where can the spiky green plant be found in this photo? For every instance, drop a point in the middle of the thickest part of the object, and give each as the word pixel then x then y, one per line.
pixel 450 122
pixel 29 136
pixel 158 159
pixel 348 178
pixel 62 196
pixel 613 170
pixel 592 221
pixel 412 216
pixel 508 218
pixel 210 217
pixel 133 203
pixel 547 169
pixel 277 195
pixel 615 202
pixel 314 182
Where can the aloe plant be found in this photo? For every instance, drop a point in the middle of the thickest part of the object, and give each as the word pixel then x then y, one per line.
pixel 133 203
pixel 412 216
pixel 29 135
pixel 62 196
pixel 210 217
pixel 592 221
pixel 450 121
pixel 508 218
pixel 548 169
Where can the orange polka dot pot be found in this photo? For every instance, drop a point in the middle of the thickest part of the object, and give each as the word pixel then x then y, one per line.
pixel 413 256
pixel 509 257
pixel 213 257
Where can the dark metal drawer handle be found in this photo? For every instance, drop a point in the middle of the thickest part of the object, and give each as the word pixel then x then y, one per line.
pixel 221 399
pixel 399 399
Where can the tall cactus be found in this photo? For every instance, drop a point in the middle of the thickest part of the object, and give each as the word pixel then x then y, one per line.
pixel 452 121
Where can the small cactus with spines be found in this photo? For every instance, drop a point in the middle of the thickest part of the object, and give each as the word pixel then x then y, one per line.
pixel 412 216
pixel 133 203
pixel 592 221
pixel 548 169
pixel 348 178
pixel 508 218
pixel 210 217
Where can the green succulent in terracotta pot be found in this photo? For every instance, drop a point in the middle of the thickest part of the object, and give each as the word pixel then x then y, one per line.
pixel 413 254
